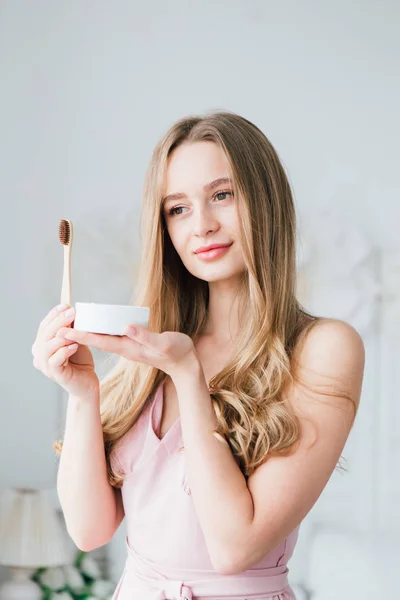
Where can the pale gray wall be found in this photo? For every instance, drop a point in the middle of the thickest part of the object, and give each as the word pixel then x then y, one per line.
pixel 87 88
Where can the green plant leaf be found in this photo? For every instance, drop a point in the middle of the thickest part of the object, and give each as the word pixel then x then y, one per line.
pixel 78 558
pixel 47 593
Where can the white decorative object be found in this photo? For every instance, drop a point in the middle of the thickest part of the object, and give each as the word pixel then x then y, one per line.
pixel 73 578
pixel 83 579
pixel 54 578
pixel 111 319
pixel 31 536
pixel 90 567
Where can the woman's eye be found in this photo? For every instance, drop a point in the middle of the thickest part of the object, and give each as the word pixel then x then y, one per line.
pixel 223 194
pixel 173 210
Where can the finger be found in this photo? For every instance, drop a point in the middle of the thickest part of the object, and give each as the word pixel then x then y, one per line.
pixel 48 349
pixel 43 347
pixel 141 334
pixel 59 358
pixel 108 343
pixel 64 319
pixel 51 315
pixel 114 344
pixel 55 344
pixel 41 358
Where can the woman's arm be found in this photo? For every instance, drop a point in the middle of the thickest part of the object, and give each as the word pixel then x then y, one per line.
pixel 221 499
pixel 92 508
pixel 242 523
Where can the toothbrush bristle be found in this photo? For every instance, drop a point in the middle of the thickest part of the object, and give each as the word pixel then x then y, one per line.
pixel 64 232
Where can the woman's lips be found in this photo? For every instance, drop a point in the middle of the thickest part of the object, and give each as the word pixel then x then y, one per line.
pixel 214 253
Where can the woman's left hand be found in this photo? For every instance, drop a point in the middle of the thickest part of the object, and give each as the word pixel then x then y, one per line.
pixel 169 351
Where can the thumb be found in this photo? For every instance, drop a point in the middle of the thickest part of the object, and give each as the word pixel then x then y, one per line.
pixel 137 332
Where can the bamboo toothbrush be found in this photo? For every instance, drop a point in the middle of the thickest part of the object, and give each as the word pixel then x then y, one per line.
pixel 65 234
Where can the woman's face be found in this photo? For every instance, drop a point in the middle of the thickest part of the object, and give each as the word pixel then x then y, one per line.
pixel 205 211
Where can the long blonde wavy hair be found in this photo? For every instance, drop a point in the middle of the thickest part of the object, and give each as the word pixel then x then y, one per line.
pixel 253 412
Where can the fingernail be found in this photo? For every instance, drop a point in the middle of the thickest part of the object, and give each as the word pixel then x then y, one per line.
pixel 132 330
pixel 70 312
pixel 61 307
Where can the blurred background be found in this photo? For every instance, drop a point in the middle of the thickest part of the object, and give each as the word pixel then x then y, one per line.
pixel 87 89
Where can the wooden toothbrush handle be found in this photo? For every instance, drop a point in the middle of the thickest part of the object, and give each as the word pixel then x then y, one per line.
pixel 66 295
pixel 66 281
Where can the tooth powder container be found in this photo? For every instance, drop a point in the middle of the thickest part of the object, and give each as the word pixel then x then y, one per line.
pixel 111 319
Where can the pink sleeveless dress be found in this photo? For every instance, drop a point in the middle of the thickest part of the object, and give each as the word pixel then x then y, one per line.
pixel 167 557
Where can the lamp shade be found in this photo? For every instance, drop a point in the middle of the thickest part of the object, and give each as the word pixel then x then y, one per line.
pixel 31 533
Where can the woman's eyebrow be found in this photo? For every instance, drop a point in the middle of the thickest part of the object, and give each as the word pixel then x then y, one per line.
pixel 207 188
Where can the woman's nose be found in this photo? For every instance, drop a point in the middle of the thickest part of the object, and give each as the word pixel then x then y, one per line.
pixel 204 221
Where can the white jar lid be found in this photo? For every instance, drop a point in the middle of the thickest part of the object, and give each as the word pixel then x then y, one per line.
pixel 111 319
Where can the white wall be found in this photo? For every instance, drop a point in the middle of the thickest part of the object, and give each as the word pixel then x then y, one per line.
pixel 87 88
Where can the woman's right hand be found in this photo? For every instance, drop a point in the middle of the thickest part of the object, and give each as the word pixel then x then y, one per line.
pixel 75 375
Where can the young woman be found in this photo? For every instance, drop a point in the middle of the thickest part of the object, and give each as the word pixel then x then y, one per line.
pixel 222 422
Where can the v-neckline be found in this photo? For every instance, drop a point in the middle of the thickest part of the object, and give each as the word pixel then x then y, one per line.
pixel 156 414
